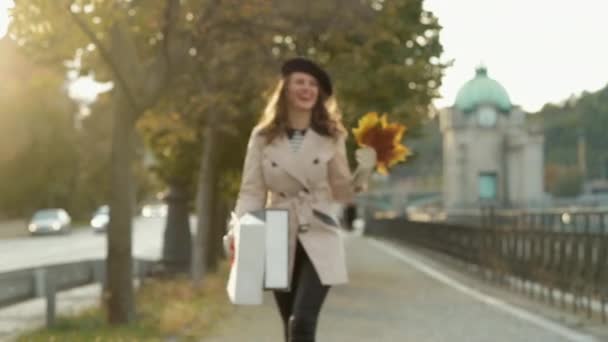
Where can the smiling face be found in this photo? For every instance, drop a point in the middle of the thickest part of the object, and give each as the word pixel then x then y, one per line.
pixel 302 91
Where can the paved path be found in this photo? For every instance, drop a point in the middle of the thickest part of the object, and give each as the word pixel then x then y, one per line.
pixel 394 296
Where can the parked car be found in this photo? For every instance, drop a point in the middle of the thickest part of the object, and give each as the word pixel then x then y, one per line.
pixel 154 210
pixel 100 219
pixel 50 221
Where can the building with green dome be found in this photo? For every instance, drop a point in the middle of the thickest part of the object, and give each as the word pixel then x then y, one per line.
pixel 490 154
pixel 480 91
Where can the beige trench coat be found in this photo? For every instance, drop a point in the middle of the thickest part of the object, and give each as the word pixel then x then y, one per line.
pixel 309 179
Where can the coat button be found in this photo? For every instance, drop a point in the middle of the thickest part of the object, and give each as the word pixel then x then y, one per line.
pixel 316 161
pixel 274 164
pixel 306 190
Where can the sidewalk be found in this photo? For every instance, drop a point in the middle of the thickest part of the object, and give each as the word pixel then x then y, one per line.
pixel 394 296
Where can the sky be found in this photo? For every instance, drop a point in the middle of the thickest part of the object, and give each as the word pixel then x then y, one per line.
pixel 4 5
pixel 540 51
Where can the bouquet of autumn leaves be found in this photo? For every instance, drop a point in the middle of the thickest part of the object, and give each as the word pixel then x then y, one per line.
pixel 385 138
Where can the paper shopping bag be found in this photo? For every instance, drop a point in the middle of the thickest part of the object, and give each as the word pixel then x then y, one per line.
pixel 276 270
pixel 246 279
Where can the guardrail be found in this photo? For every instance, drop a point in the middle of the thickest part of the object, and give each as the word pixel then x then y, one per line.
pixel 45 281
pixel 563 253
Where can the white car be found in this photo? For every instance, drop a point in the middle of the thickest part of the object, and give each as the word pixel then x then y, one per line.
pixel 154 210
pixel 100 219
pixel 49 221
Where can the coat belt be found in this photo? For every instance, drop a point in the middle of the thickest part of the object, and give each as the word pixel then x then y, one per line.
pixel 300 205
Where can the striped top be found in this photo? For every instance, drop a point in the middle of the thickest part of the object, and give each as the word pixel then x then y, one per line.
pixel 296 136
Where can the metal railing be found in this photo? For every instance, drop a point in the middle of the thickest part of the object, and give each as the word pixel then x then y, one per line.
pixel 563 253
pixel 45 281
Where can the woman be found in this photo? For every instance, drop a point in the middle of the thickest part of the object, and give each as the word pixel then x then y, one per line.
pixel 296 160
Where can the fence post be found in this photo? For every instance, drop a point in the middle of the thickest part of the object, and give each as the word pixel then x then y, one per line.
pixel 45 286
pixel 40 281
pixel 99 273
pixel 587 277
pixel 139 270
pixel 602 264
pixel 50 300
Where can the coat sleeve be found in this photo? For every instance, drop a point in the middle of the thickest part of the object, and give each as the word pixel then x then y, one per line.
pixel 340 177
pixel 253 190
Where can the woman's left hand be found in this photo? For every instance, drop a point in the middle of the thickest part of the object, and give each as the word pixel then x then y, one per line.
pixel 228 242
pixel 366 158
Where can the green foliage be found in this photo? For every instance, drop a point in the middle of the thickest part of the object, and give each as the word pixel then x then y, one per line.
pixel 569 185
pixel 396 69
pixel 220 86
pixel 38 138
pixel 383 56
pixel 426 162
pixel 175 147
pixel 585 116
pixel 93 146
pixel 51 31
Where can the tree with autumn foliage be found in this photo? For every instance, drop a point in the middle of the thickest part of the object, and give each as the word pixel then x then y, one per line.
pixel 175 148
pixel 207 62
pixel 139 48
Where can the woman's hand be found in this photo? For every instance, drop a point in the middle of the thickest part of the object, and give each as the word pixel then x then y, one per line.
pixel 366 158
pixel 228 241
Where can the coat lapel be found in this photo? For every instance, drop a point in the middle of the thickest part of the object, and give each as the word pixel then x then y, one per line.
pixel 279 151
pixel 297 164
pixel 309 152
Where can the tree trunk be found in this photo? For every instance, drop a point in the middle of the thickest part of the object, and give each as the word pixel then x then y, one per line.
pixel 177 244
pixel 222 223
pixel 119 296
pixel 217 231
pixel 209 249
pixel 204 203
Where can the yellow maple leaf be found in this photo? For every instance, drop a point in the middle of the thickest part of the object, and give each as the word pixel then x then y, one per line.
pixel 385 138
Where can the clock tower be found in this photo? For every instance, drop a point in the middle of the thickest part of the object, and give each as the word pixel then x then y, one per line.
pixel 490 155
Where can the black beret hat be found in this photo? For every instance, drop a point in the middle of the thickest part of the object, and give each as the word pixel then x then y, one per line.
pixel 301 64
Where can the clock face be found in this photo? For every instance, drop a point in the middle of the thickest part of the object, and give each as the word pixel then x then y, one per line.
pixel 487 117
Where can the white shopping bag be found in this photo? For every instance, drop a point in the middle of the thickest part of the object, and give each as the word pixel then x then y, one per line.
pixel 246 279
pixel 276 270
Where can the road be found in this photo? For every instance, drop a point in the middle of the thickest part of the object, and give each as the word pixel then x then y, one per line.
pixel 31 251
pixel 81 244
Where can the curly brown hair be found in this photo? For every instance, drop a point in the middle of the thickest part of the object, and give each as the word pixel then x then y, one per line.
pixel 326 119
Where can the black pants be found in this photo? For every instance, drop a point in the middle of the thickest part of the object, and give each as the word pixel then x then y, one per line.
pixel 301 306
